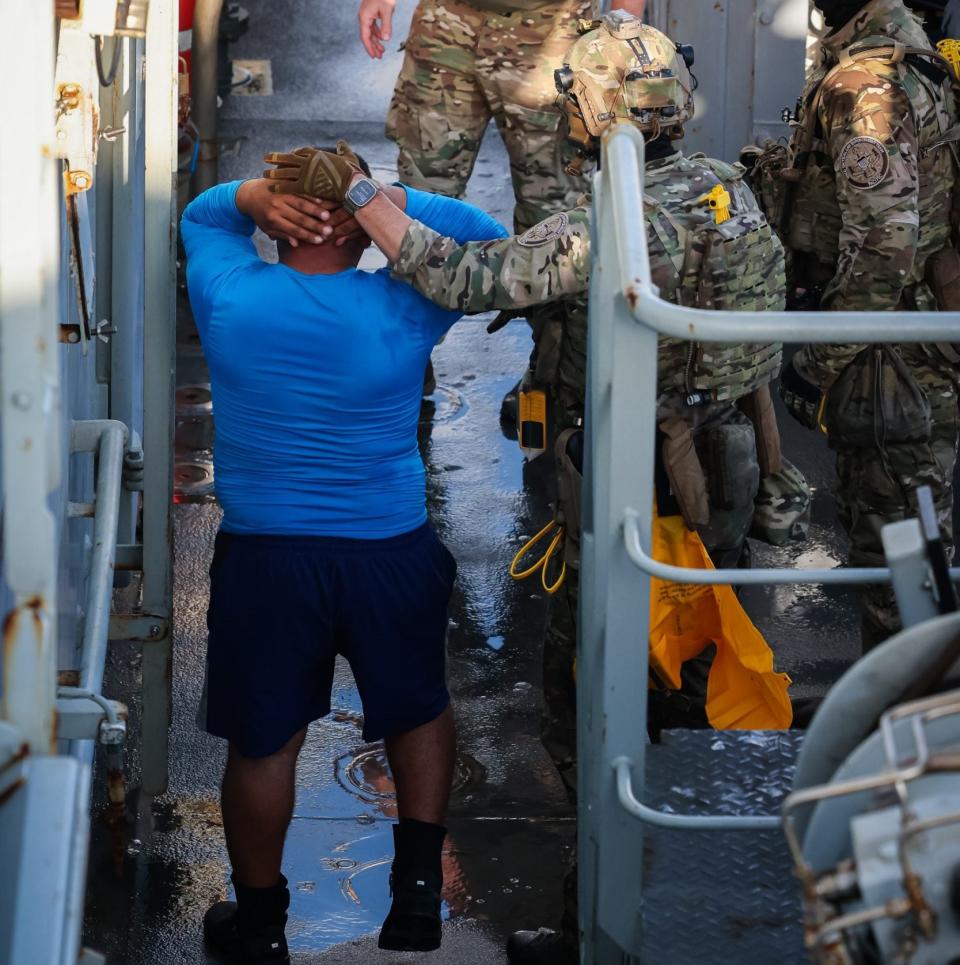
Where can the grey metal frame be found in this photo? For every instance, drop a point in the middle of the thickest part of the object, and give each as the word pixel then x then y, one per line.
pixel 626 319
pixel 159 361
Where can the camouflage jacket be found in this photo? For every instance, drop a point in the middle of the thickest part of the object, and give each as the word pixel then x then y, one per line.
pixel 510 6
pixel 551 262
pixel 873 200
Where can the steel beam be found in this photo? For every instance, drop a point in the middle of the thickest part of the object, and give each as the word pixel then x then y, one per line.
pixel 29 370
pixel 159 355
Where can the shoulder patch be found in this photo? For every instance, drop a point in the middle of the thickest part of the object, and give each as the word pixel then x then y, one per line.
pixel 544 232
pixel 863 162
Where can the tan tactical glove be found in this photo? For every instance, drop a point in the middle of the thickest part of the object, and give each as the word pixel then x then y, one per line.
pixel 309 170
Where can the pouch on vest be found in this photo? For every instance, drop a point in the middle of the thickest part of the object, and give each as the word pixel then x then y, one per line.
pixel 569 452
pixel 548 337
pixel 732 457
pixel 532 421
pixel 758 408
pixel 876 401
pixel 743 690
pixel 688 485
pixel 943 276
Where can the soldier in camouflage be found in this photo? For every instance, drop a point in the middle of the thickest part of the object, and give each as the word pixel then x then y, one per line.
pixel 467 61
pixel 863 204
pixel 626 72
pixel 710 247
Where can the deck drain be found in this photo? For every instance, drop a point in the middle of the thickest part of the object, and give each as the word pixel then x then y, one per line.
pixel 193 481
pixel 366 774
pixel 447 404
pixel 194 400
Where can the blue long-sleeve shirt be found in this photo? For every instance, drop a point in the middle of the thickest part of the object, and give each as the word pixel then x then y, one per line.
pixel 316 378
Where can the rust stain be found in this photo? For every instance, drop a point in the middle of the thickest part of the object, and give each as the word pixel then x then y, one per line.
pixel 68 678
pixel 115 816
pixel 631 296
pixel 22 752
pixel 10 791
pixel 11 624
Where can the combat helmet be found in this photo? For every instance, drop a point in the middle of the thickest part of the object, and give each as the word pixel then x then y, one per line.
pixel 624 71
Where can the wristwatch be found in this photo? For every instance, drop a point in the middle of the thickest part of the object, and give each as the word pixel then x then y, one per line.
pixel 360 193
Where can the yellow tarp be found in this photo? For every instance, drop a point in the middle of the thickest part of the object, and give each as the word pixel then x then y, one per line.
pixel 743 690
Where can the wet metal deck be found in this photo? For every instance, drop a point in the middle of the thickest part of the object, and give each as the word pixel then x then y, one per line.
pixel 741 904
pixel 510 823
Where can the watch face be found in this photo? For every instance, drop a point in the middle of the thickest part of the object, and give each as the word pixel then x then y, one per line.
pixel 362 193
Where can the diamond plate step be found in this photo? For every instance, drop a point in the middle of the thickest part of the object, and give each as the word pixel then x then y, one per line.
pixel 723 898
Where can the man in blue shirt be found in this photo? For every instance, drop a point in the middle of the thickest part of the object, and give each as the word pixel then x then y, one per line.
pixel 324 548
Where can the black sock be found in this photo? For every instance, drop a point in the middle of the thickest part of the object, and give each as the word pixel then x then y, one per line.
pixel 261 907
pixel 418 845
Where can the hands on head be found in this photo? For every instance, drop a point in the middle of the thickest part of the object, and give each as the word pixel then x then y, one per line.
pixel 300 198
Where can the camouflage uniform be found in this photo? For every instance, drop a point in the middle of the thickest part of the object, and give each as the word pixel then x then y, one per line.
pixel 871 206
pixel 551 262
pixel 468 62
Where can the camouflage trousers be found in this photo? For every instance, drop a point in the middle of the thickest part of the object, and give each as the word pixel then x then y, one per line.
pixel 731 512
pixel 878 486
pixel 463 66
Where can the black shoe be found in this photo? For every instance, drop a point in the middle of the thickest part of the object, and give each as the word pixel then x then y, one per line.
pixel 263 946
pixel 413 924
pixel 542 947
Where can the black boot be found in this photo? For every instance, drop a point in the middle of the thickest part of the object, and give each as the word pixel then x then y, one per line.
pixel 249 931
pixel 413 924
pixel 542 947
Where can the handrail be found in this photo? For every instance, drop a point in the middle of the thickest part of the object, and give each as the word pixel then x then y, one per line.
pixel 108 438
pixel 623 160
pixel 626 318
pixel 684 822
pixel 752 577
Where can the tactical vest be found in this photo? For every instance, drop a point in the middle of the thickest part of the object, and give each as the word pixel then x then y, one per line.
pixel 734 265
pixel 695 262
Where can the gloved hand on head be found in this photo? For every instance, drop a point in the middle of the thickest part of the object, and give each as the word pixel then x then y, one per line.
pixel 314 172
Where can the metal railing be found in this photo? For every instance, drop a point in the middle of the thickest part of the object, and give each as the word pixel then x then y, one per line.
pixel 626 319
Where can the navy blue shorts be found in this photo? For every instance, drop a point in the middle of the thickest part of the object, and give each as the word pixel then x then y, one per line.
pixel 283 607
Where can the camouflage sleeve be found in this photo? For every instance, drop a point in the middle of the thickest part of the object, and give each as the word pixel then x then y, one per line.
pixel 550 261
pixel 872 139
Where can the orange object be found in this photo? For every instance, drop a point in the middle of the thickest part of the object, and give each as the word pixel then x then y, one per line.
pixel 743 690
